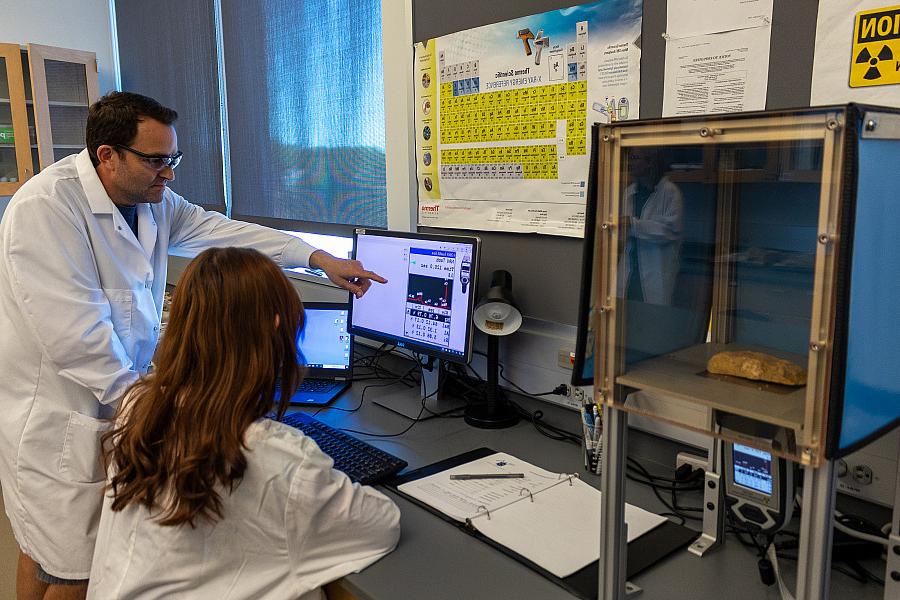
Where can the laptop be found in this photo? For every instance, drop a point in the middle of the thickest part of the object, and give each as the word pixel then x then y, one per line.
pixel 326 348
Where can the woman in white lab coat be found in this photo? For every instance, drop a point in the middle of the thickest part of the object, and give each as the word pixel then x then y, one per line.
pixel 207 497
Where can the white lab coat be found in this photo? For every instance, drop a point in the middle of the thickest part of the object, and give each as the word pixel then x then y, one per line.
pixel 80 307
pixel 292 525
pixel 656 237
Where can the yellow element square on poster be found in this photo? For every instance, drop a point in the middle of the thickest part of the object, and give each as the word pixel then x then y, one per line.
pixel 876 48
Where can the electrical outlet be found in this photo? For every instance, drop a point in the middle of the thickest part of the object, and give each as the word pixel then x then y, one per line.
pixel 862 474
pixel 575 393
pixel 565 358
pixel 871 472
pixel 695 460
pixel 569 399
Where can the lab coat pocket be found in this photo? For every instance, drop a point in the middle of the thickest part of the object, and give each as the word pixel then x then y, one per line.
pixel 80 459
pixel 120 306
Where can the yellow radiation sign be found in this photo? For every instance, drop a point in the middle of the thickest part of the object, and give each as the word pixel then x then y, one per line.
pixel 876 48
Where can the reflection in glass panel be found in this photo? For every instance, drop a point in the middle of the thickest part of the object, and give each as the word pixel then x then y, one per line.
pixel 666 241
pixel 759 205
pixel 776 216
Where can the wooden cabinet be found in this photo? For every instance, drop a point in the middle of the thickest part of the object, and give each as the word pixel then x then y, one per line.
pixel 15 144
pixel 45 93
pixel 64 84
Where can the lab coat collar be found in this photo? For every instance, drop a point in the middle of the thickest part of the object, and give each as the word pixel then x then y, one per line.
pixel 146 229
pixel 98 199
pixel 101 203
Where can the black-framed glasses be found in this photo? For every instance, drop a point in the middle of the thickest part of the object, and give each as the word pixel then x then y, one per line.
pixel 155 160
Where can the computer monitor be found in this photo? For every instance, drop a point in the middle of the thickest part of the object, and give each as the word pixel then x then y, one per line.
pixel 336 245
pixel 583 367
pixel 427 304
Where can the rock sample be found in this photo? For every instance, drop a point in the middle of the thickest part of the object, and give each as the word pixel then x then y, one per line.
pixel 758 366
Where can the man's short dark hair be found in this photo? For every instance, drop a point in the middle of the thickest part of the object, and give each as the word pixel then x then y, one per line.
pixel 113 119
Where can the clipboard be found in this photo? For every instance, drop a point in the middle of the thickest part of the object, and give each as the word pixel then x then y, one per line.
pixel 643 552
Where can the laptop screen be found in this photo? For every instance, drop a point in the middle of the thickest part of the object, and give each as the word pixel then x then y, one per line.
pixel 324 344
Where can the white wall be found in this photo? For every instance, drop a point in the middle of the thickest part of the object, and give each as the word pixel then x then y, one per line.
pixel 75 24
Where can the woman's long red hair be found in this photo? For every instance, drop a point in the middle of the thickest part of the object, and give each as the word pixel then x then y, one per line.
pixel 179 436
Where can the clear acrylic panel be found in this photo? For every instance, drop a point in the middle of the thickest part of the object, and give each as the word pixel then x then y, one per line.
pixel 767 197
pixel 716 252
pixel 667 236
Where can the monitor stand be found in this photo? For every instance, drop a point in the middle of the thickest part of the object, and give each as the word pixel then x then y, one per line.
pixel 436 404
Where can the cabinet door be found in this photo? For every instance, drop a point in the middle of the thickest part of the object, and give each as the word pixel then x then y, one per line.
pixel 15 151
pixel 64 84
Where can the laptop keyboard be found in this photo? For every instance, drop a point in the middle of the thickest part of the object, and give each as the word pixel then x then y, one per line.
pixel 316 385
pixel 360 461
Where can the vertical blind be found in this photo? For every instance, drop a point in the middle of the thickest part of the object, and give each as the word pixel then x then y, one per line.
pixel 306 110
pixel 167 50
pixel 305 95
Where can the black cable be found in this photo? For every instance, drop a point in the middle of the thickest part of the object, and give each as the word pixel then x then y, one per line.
pixel 691 484
pixel 648 479
pixel 417 419
pixel 872 576
pixel 551 431
pixel 681 520
pixel 362 398
pixel 515 385
pixel 378 371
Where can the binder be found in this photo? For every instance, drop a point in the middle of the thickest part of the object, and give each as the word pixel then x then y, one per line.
pixel 644 551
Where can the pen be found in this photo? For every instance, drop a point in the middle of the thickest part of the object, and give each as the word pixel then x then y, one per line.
pixel 489 476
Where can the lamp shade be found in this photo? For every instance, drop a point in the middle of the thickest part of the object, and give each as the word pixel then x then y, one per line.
pixel 497 313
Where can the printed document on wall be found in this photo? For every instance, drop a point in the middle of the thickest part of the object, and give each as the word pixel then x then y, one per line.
pixel 503 114
pixel 686 18
pixel 857 55
pixel 717 73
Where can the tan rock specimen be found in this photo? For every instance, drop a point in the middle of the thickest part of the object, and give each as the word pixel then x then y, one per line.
pixel 758 366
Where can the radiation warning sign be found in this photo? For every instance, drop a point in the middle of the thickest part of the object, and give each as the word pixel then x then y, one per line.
pixel 876 48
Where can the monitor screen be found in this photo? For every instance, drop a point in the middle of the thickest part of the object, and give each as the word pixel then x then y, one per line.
pixel 336 245
pixel 325 342
pixel 752 468
pixel 427 303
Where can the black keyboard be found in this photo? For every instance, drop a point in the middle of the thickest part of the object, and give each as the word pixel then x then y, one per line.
pixel 359 460
pixel 316 385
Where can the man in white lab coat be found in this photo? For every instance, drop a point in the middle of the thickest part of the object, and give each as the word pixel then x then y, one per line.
pixel 653 209
pixel 83 253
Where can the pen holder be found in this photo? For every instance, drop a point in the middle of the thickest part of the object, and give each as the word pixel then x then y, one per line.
pixel 592 438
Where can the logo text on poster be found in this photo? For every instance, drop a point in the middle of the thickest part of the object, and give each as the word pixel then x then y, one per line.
pixel 876 48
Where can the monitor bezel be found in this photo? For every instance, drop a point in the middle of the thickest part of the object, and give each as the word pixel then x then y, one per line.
pixel 586 292
pixel 419 348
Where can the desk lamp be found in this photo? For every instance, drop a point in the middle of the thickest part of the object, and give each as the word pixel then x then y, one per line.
pixel 496 315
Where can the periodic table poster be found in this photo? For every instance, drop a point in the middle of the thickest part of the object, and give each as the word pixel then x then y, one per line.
pixel 503 114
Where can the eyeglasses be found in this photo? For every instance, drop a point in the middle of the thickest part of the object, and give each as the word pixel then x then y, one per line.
pixel 155 160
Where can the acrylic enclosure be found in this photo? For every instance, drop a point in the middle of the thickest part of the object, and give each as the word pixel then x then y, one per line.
pixel 772 232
